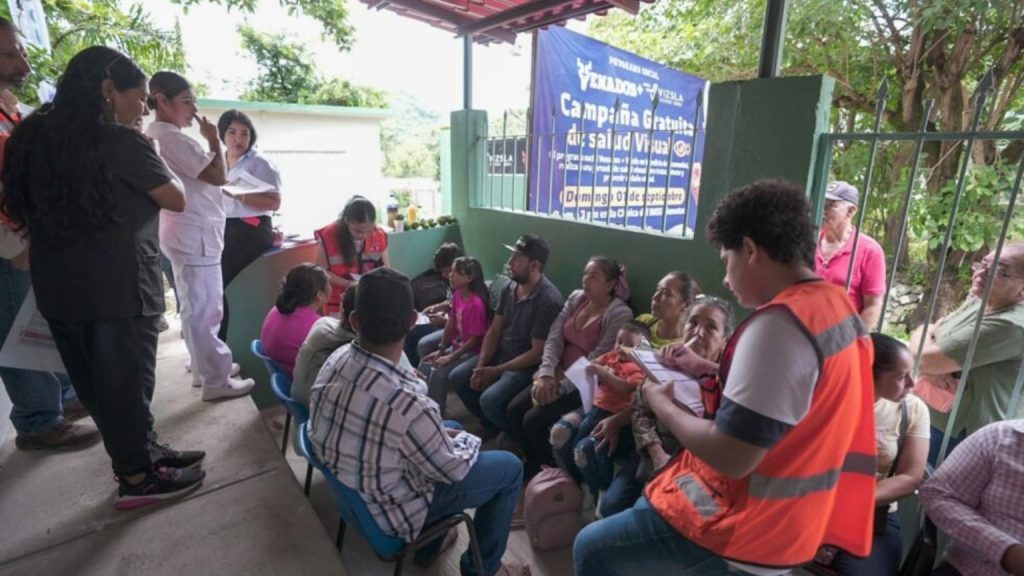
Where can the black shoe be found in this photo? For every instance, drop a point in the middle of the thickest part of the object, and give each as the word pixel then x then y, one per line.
pixel 185 459
pixel 159 484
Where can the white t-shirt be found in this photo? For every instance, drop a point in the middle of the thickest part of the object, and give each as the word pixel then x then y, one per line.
pixel 771 381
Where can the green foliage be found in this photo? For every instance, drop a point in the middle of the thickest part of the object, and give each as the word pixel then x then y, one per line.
pixel 410 140
pixel 75 25
pixel 288 75
pixel 331 14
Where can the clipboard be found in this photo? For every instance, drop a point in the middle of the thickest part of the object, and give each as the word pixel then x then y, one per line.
pixel 685 388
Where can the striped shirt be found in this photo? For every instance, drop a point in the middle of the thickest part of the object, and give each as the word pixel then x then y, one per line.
pixel 975 497
pixel 374 426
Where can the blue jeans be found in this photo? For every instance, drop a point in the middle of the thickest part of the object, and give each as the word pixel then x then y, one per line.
pixel 422 340
pixel 597 467
pixel 624 489
pixel 490 404
pixel 492 488
pixel 885 555
pixel 936 444
pixel 437 379
pixel 573 452
pixel 37 396
pixel 638 541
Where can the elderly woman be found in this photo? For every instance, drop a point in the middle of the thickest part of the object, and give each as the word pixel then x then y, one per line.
pixel 586 327
pixel 248 231
pixel 709 324
pixel 997 356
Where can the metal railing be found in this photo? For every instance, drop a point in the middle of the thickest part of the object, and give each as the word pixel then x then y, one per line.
pixel 641 179
pixel 912 193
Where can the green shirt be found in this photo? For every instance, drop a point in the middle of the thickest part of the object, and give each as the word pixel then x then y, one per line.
pixel 997 359
pixel 652 323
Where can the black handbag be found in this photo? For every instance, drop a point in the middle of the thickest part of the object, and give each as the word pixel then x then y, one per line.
pixel 921 559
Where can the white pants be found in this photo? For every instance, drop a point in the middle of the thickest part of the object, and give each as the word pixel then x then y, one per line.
pixel 201 292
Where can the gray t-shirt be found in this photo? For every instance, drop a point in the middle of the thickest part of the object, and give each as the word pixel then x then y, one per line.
pixel 525 320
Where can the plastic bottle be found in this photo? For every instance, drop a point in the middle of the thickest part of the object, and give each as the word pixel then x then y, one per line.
pixel 411 215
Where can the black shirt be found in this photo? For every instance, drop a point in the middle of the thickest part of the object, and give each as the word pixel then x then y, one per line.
pixel 526 320
pixel 113 274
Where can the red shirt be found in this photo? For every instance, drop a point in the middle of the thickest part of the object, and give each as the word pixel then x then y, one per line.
pixel 868 268
pixel 610 398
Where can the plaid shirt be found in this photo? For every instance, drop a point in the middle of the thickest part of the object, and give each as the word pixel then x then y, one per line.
pixel 975 497
pixel 373 425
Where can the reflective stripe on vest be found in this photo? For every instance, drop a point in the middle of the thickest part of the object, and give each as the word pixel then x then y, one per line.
pixel 818 481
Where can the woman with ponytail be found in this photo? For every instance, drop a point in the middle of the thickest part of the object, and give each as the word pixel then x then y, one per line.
pixel 303 292
pixel 350 247
pixel 88 188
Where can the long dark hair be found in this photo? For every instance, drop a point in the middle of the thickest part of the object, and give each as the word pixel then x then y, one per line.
pixel 357 209
pixel 56 175
pixel 300 287
pixel 887 352
pixel 469 266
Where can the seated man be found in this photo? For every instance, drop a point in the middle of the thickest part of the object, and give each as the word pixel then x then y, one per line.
pixel 975 497
pixel 788 462
pixel 374 426
pixel 514 342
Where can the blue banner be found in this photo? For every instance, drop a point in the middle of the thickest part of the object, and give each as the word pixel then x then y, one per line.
pixel 615 136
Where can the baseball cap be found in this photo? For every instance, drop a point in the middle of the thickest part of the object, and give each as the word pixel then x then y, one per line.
pixel 844 191
pixel 533 247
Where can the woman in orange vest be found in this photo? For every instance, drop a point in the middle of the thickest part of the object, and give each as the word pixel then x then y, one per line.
pixel 350 247
pixel 788 462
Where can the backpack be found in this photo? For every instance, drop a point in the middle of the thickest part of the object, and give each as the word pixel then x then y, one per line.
pixel 551 511
pixel 428 288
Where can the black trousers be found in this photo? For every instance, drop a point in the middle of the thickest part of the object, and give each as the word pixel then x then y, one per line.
pixel 243 244
pixel 531 426
pixel 112 366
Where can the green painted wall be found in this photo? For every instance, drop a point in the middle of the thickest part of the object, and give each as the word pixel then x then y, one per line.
pixel 255 290
pixel 756 129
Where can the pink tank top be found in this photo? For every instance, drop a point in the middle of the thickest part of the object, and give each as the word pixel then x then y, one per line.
pixel 579 343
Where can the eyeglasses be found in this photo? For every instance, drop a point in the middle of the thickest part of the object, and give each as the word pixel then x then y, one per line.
pixel 1001 271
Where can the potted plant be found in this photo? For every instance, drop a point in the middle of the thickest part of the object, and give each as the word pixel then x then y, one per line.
pixel 399 223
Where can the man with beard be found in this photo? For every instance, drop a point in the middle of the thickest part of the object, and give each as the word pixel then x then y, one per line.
pixel 514 343
pixel 43 402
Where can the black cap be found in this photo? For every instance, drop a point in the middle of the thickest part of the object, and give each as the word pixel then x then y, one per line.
pixel 533 247
pixel 384 305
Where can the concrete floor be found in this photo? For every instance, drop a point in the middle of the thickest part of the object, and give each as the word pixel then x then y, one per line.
pixel 249 516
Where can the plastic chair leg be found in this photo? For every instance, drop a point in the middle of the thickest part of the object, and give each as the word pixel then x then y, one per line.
pixel 341 534
pixel 287 428
pixel 398 564
pixel 478 560
pixel 309 479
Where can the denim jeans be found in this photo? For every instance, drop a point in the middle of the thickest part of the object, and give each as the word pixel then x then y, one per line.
pixel 566 455
pixel 639 541
pixel 422 340
pixel 885 555
pixel 492 488
pixel 437 379
pixel 596 466
pixel 490 404
pixel 36 396
pixel 625 489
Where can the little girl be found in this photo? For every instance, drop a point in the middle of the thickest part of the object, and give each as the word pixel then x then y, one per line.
pixel 464 331
pixel 618 377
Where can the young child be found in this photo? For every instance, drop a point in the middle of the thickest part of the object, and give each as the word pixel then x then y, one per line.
pixel 464 331
pixel 618 377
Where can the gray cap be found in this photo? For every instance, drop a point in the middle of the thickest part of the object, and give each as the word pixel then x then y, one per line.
pixel 844 191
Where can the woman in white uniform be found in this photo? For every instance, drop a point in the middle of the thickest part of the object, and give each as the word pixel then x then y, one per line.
pixel 194 239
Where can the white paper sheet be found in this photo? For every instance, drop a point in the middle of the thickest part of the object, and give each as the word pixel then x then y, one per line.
pixel 585 383
pixel 685 388
pixel 422 319
pixel 246 183
pixel 29 344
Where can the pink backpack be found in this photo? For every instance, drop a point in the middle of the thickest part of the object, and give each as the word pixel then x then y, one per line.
pixel 552 509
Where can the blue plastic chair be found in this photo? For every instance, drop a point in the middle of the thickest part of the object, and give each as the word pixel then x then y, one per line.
pixel 353 510
pixel 281 384
pixel 274 368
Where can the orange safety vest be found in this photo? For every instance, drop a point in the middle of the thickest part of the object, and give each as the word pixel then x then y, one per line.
pixel 371 256
pixel 817 485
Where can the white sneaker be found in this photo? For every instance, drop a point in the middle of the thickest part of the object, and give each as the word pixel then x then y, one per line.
pixel 197 382
pixel 232 389
pixel 236 369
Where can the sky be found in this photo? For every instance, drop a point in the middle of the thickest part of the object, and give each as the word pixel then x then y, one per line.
pixel 391 52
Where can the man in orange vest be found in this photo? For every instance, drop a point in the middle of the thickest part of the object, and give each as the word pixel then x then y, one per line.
pixel 787 463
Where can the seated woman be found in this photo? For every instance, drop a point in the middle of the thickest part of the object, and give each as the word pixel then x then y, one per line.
pixel 902 430
pixel 708 326
pixel 327 335
pixel 586 327
pixel 351 246
pixel 997 356
pixel 303 293
pixel 463 332
pixel 248 231
pixel 424 338
pixel 974 497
